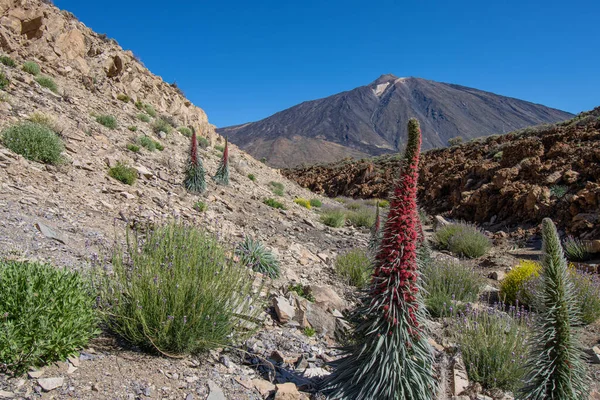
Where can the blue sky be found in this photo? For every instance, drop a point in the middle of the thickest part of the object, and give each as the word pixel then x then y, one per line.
pixel 242 61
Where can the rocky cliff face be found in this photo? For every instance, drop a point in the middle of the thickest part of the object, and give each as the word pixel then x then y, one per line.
pixel 514 179
pixel 371 120
pixel 85 63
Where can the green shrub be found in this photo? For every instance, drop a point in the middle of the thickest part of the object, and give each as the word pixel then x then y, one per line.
pixel 316 203
pixel 178 292
pixel 334 217
pixel 559 191
pixel 576 250
pixel 308 331
pixel 31 68
pixel 493 345
pixel 169 119
pixel 203 142
pixel 187 132
pixel 515 286
pixel 44 119
pixel 4 81
pixel 276 188
pixel 160 125
pixel 274 203
pixel 384 203
pixel 263 160
pixel 587 292
pixel 9 62
pixel 143 117
pixel 253 254
pixel 455 141
pixel 147 142
pixel 123 173
pixel 301 291
pixel 133 147
pixel 107 120
pixel 123 97
pixel 448 282
pixel 33 141
pixel 47 82
pixel 200 206
pixel 219 147
pixel 150 110
pixel 132 128
pixel 362 217
pixel 139 105
pixel 46 314
pixel 498 156
pixel 158 146
pixel 462 239
pixel 355 266
pixel 252 177
pixel 303 202
pixel 354 205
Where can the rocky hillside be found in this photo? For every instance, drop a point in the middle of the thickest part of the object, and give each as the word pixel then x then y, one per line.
pixel 513 179
pixel 371 120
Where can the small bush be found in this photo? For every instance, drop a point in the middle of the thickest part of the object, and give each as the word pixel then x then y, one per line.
pixel 123 173
pixel 169 119
pixel 498 156
pixel 9 62
pixel 494 345
pixel 354 205
pixel 158 146
pixel 220 148
pixel 252 177
pixel 559 191
pixel 124 98
pixel 46 314
pixel 31 68
pixel 576 250
pixel 308 331
pixel 263 160
pixel 33 141
pixel 276 188
pixel 160 125
pixel 187 132
pixel 255 255
pixel 448 282
pixel 147 142
pixel 301 291
pixel 133 147
pixel 4 81
pixel 176 291
pixel 143 117
pixel 463 239
pixel 316 203
pixel 107 120
pixel 587 291
pixel 139 105
pixel 203 142
pixel 455 141
pixel 47 82
pixel 334 217
pixel 150 110
pixel 516 285
pixel 303 203
pixel 44 119
pixel 362 217
pixel 200 206
pixel 274 203
pixel 355 267
pixel 132 128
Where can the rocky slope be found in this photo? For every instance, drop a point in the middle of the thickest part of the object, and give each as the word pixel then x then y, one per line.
pixel 514 179
pixel 371 120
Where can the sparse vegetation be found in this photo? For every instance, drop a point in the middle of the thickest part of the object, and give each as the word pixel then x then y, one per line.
pixel 31 68
pixel 4 81
pixel 252 177
pixel 187 132
pixel 160 125
pixel 47 82
pixel 463 239
pixel 149 110
pixel 253 254
pixel 303 203
pixel 576 250
pixel 107 120
pixel 133 147
pixel 34 141
pixel 9 62
pixel 149 144
pixel 46 314
pixel 143 117
pixel 177 292
pixel 44 119
pixel 123 97
pixel 355 266
pixel 203 142
pixel 219 147
pixel 200 206
pixel 587 291
pixel 276 188
pixel 316 203
pixel 123 173
pixel 309 331
pixel 559 191
pixel 455 141
pixel 362 217
pixel 333 217
pixel 301 291
pixel 132 128
pixel 274 204
pixel 516 285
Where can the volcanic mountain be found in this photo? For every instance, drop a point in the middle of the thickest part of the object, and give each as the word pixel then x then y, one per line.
pixel 371 120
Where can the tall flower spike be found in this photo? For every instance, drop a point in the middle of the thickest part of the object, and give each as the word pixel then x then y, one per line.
pixel 222 175
pixel 391 358
pixel 556 367
pixel 195 175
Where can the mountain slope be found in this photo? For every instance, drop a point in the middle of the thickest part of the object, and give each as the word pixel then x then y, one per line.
pixel 371 120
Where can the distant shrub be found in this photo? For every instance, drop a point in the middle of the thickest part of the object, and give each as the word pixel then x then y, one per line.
pixel 187 132
pixel 301 291
pixel 9 62
pixel 4 81
pixel 342 200
pixel 274 203
pixel 150 110
pixel 147 142
pixel 354 205
pixel 253 254
pixel 160 125
pixel 516 284
pixel 176 291
pixel 200 206
pixel 124 98
pixel 448 282
pixel 263 160
pixel 132 128
pixel 219 147
pixel 355 267
pixel 276 188
pixel 34 141
pixel 139 105
pixel 123 173
pixel 559 191
pixel 362 217
pixel 133 147
pixel 316 203
pixel 47 82
pixel 384 204
pixel 252 177
pixel 498 156
pixel 31 68
pixel 303 203
pixel 455 141
pixel 169 119
pixel 576 250
pixel 143 117
pixel 334 217
pixel 46 314
pixel 463 239
pixel 203 142
pixel 107 120
pixel 158 146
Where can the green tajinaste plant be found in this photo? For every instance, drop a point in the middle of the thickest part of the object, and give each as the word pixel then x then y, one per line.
pixel 391 358
pixel 222 175
pixel 556 367
pixel 195 180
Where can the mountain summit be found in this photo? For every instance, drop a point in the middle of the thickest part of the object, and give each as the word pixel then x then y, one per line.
pixel 371 120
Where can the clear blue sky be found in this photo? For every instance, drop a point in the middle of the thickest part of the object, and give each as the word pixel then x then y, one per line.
pixel 245 60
